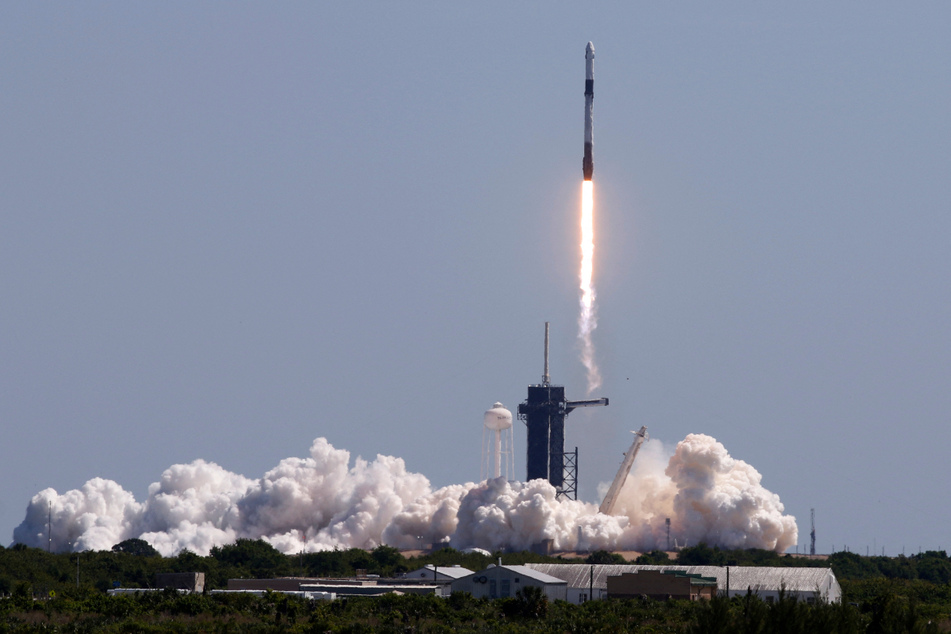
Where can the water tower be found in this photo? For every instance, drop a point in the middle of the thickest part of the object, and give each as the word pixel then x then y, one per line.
pixel 498 440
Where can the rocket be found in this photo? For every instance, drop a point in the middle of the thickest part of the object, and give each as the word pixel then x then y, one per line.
pixel 587 164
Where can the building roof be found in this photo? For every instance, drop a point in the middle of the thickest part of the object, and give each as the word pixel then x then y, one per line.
pixel 741 577
pixel 524 571
pixel 533 573
pixel 696 580
pixel 452 572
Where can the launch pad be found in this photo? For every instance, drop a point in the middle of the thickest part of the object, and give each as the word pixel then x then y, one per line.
pixel 544 413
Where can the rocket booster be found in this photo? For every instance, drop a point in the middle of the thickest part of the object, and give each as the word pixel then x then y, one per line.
pixel 587 164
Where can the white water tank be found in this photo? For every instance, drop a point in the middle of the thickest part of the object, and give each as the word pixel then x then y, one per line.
pixel 498 418
pixel 498 443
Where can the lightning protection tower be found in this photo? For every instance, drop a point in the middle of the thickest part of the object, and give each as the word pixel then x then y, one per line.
pixel 544 413
pixel 812 534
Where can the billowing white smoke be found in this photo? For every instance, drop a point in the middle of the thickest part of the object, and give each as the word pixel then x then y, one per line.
pixel 708 496
pixel 323 502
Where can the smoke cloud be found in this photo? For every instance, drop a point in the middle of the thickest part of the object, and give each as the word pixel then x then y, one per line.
pixel 325 502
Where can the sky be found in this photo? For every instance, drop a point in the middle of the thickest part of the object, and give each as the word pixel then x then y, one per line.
pixel 228 229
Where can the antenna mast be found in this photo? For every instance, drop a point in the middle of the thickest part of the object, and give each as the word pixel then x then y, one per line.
pixel 812 535
pixel 546 378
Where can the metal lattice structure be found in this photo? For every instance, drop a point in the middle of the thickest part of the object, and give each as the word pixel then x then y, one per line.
pixel 569 488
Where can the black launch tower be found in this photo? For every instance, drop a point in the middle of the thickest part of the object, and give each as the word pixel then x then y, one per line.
pixel 544 414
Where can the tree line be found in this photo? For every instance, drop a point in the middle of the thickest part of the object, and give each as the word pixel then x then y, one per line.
pixel 66 591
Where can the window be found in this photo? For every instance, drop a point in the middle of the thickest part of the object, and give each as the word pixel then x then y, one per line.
pixel 493 594
pixel 506 588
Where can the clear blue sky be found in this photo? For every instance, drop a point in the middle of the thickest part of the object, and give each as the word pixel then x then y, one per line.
pixel 226 229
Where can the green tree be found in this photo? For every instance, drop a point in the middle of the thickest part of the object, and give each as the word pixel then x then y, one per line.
pixel 714 618
pixel 653 558
pixel 701 555
pixel 254 556
pixel 532 602
pixel 604 557
pixel 933 566
pixel 135 546
pixel 387 559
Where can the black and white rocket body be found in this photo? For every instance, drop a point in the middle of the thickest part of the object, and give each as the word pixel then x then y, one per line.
pixel 587 164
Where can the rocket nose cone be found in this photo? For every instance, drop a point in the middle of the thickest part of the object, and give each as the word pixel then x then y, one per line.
pixel 589 51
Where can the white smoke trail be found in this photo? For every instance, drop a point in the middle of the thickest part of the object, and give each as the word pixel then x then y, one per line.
pixel 322 502
pixel 587 320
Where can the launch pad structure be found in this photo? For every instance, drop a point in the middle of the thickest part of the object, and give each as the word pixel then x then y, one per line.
pixel 544 413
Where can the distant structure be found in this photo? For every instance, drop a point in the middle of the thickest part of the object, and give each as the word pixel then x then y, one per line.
pixel 812 534
pixel 586 581
pixel 660 585
pixel 544 413
pixel 498 443
pixel 499 582
pixel 438 574
pixel 191 582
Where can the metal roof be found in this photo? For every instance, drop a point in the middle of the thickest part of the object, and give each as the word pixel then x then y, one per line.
pixel 452 572
pixel 532 573
pixel 741 577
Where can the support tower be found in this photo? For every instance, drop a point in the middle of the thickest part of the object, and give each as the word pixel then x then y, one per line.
pixel 544 413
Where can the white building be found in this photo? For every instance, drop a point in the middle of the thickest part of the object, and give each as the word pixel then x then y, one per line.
pixel 499 582
pixel 586 581
pixel 438 574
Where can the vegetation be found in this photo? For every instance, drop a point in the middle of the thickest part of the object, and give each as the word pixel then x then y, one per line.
pixel 131 565
pixel 703 555
pixel 40 591
pixel 530 611
pixel 932 565
pixel 604 557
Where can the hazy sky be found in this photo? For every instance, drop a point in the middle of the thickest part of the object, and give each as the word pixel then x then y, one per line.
pixel 226 229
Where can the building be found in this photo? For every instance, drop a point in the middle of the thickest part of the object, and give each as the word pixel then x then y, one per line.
pixel 362 588
pixel 438 574
pixel 188 581
pixel 280 584
pixel 314 596
pixel 184 582
pixel 661 584
pixel 319 587
pixel 499 582
pixel 586 582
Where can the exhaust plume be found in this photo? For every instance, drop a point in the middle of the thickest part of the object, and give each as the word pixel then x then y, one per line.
pixel 325 501
pixel 587 320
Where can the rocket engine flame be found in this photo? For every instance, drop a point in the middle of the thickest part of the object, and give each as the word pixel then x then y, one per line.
pixel 587 320
pixel 327 501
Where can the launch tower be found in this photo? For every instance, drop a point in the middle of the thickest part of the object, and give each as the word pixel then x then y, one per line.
pixel 544 413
